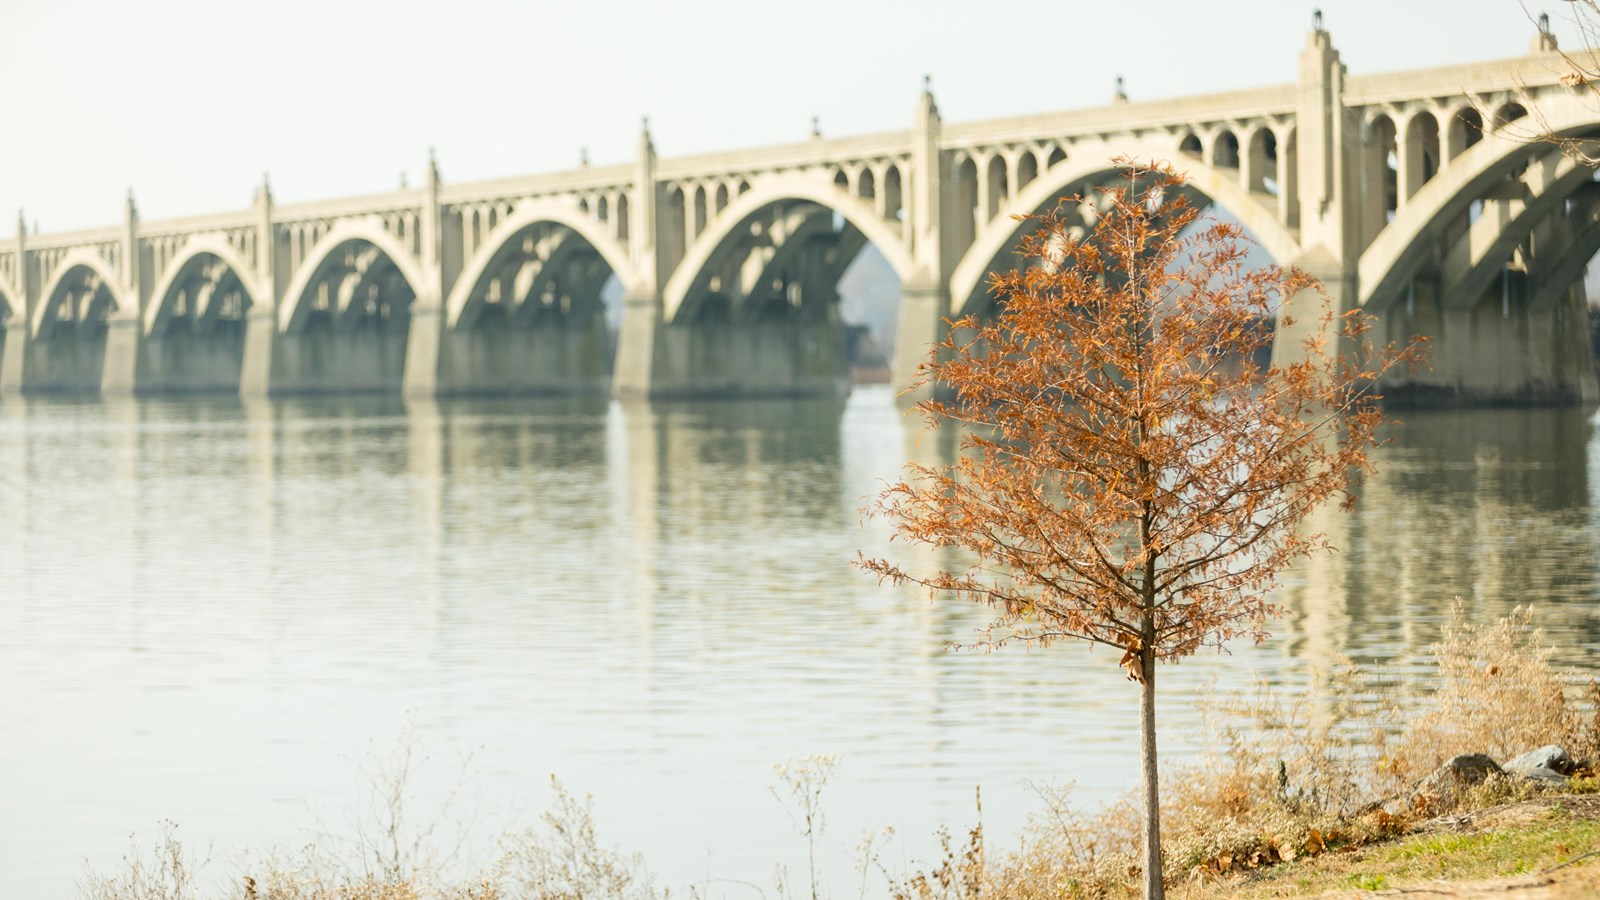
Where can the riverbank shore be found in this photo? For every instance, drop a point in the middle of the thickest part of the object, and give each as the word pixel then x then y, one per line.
pixel 1297 796
pixel 1543 847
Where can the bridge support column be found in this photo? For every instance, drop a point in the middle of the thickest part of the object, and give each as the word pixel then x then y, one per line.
pixel 119 367
pixel 802 354
pixel 426 329
pixel 70 361
pixel 632 375
pixel 182 360
pixel 119 374
pixel 923 311
pixel 260 340
pixel 1301 317
pixel 261 320
pixel 14 331
pixel 17 357
pixel 339 359
pixel 423 340
pixel 500 357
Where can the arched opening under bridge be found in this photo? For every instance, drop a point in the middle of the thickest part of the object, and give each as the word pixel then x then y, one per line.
pixel 793 290
pixel 536 309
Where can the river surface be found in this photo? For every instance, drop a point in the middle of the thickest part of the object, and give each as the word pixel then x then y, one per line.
pixel 228 616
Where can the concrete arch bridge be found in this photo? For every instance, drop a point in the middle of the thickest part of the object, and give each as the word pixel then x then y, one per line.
pixel 1417 195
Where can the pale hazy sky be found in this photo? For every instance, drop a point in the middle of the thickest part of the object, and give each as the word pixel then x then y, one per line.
pixel 190 102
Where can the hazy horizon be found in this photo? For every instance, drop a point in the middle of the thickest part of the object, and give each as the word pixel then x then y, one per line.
pixel 341 100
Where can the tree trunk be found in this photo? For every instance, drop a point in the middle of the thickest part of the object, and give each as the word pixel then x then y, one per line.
pixel 1153 887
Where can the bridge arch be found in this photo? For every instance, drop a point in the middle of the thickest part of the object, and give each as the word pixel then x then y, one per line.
pixel 1402 247
pixel 321 261
pixel 858 212
pixel 181 267
pixel 1482 253
pixel 1566 269
pixel 75 265
pixel 500 244
pixel 1222 187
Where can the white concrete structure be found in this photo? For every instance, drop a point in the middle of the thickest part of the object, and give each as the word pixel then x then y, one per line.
pixel 1417 195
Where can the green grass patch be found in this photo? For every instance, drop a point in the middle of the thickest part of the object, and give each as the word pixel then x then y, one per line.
pixel 1548 840
pixel 1551 840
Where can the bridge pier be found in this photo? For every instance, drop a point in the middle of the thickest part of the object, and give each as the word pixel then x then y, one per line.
pixel 329 358
pixel 568 359
pixel 545 344
pixel 636 345
pixel 322 358
pixel 14 358
pixel 1502 350
pixel 493 356
pixel 424 341
pixel 791 356
pixel 1301 318
pixel 182 361
pixel 799 354
pixel 119 369
pixel 921 324
pixel 766 357
pixel 70 361
pixel 255 369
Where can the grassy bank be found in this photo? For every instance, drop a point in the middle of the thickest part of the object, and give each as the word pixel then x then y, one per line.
pixel 1296 796
pixel 1532 848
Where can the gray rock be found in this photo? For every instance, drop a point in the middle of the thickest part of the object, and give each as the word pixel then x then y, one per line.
pixel 1547 760
pixel 1544 776
pixel 1443 787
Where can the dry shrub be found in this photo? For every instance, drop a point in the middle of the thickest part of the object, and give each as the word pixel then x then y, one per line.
pixel 561 859
pixel 806 777
pixel 166 872
pixel 1497 694
pixel 1066 854
pixel 564 860
pixel 958 875
pixel 303 884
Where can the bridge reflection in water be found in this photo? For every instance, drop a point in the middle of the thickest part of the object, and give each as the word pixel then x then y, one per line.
pixel 209 603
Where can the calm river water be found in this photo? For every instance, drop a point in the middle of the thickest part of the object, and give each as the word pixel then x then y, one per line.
pixel 224 615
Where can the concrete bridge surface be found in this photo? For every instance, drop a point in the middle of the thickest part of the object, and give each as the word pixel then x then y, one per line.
pixel 1419 196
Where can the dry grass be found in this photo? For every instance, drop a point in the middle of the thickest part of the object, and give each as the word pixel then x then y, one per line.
pixel 560 859
pixel 166 872
pixel 1498 694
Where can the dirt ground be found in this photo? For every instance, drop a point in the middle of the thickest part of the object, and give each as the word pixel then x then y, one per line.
pixel 1578 883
